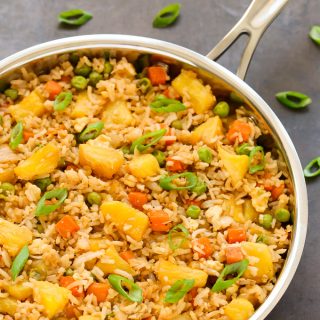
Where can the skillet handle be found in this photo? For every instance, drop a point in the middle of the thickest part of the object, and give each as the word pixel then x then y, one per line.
pixel 254 22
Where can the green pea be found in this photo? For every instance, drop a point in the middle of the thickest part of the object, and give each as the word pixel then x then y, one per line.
pixel 266 220
pixel 177 124
pixel 125 149
pixel 11 93
pixel 79 82
pixel 205 155
pixel 74 58
pixel 6 188
pixel 222 109
pixel 193 212
pixel 108 67
pixel 199 188
pixel 160 156
pixel 83 70
pixel 282 215
pixel 94 198
pixel 94 78
pixel 43 183
pixel 68 272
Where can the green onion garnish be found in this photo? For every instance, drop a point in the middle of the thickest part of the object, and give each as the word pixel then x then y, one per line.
pixel 314 34
pixel 178 290
pixel 256 159
pixel 312 169
pixel 131 291
pixel 140 143
pixel 74 17
pixel 144 85
pixel 175 245
pixel 16 136
pixel 237 268
pixel 62 101
pixel 91 131
pixel 163 104
pixel 19 262
pixel 44 209
pixel 166 183
pixel 293 99
pixel 167 16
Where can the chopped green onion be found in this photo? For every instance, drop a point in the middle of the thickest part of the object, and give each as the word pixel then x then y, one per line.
pixel 125 149
pixel 167 16
pixel 314 34
pixel 282 215
pixel 178 290
pixel 262 238
pixel 1 120
pixel 205 155
pixel 68 272
pixel 163 104
pixel 94 198
pixel 16 136
pixel 222 109
pixel 144 85
pixel 243 149
pixel 142 62
pixel 74 58
pixel 193 212
pixel 237 268
pixel 94 78
pixel 44 209
pixel 177 124
pixel 62 101
pixel 199 188
pixel 5 189
pixel 166 183
pixel 160 156
pixel 140 142
pixel 266 220
pixel 11 93
pixel 312 169
pixel 293 99
pixel 79 82
pixel 84 70
pixel 91 131
pixel 256 159
pixel 74 17
pixel 108 67
pixel 117 283
pixel 19 262
pixel 172 244
pixel 43 184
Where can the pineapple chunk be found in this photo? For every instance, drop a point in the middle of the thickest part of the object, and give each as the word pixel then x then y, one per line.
pixel 41 163
pixel 19 291
pixel 51 296
pixel 8 306
pixel 82 107
pixel 250 212
pixel 262 261
pixel 239 309
pixel 7 175
pixel 236 210
pixel 236 165
pixel 117 112
pixel 145 165
pixel 192 89
pixel 97 244
pixel 128 220
pixel 116 262
pixel 104 162
pixel 207 131
pixel 13 237
pixel 32 105
pixel 168 273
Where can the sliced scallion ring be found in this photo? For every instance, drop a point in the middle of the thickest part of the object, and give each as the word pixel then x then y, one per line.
pixel 256 159
pixel 166 183
pixel 16 136
pixel 74 17
pixel 140 143
pixel 293 99
pixel 163 104
pixel 178 290
pixel 19 262
pixel 62 101
pixel 175 245
pixel 167 16
pixel 314 34
pixel 312 169
pixel 91 131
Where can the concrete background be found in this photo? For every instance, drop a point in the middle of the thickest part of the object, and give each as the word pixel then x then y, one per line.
pixel 286 59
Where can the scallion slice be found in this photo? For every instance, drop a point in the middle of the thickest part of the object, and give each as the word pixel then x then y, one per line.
pixel 293 99
pixel 62 101
pixel 16 136
pixel 75 17
pixel 175 245
pixel 141 144
pixel 178 290
pixel 167 16
pixel 19 262
pixel 163 104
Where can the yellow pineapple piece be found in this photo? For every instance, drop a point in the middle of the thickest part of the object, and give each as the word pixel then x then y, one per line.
pixel 114 262
pixel 19 291
pixel 8 306
pixel 239 309
pixel 250 212
pixel 128 220
pixel 40 163
pixel 7 175
pixel 13 237
pixel 117 112
pixel 97 244
pixel 262 261
pixel 145 165
pixel 82 107
pixel 32 105
pixel 207 131
pixel 192 89
pixel 236 165
pixel 168 273
pixel 51 296
pixel 235 210
pixel 104 162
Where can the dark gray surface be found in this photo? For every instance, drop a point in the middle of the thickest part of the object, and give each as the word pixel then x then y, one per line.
pixel 285 60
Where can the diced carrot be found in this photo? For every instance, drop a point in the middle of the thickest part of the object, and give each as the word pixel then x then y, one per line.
pixel 72 166
pixel 159 221
pixel 190 202
pixel 175 165
pixel 127 255
pixel 53 88
pixel 236 235
pixel 27 135
pixel 71 311
pixel 192 295
pixel 66 281
pixel 137 199
pixel 203 247
pixel 233 254
pixel 238 128
pixel 171 138
pixel 276 192
pixel 157 75
pixel 67 226
pixel 100 290
pixel 171 93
